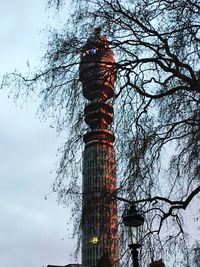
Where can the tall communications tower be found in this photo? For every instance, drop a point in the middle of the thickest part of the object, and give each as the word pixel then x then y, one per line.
pixel 99 210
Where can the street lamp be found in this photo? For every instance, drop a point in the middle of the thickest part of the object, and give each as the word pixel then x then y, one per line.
pixel 133 220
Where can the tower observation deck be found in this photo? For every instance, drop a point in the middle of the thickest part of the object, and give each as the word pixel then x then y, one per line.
pixel 99 208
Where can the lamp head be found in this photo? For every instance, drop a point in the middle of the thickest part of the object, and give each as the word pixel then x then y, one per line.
pixel 133 218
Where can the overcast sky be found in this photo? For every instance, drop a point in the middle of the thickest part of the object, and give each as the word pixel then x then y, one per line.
pixel 33 231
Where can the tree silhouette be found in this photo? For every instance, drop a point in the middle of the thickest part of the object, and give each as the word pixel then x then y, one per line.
pixel 157 115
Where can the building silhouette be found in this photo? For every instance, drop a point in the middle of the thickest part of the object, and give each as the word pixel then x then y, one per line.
pixel 99 208
pixel 99 203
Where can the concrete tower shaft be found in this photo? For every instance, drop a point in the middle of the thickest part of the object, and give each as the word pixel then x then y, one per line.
pixel 99 210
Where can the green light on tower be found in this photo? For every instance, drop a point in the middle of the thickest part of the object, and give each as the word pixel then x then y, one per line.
pixel 94 240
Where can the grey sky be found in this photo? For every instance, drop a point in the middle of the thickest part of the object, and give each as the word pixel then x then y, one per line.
pixel 32 229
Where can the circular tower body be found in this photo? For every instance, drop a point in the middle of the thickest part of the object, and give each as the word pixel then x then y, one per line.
pixel 99 208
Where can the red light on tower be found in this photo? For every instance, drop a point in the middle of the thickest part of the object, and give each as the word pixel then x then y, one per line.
pixel 99 210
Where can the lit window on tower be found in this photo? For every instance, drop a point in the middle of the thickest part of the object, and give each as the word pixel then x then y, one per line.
pixel 94 240
pixel 91 51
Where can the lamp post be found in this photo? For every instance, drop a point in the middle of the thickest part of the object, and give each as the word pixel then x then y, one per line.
pixel 133 220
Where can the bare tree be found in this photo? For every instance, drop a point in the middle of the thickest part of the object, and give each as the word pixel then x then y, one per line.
pixel 197 255
pixel 157 114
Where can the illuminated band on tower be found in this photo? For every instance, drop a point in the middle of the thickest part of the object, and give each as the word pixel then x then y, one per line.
pixel 99 208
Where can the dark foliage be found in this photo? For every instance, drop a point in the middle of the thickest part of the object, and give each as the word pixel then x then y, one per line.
pixel 157 110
